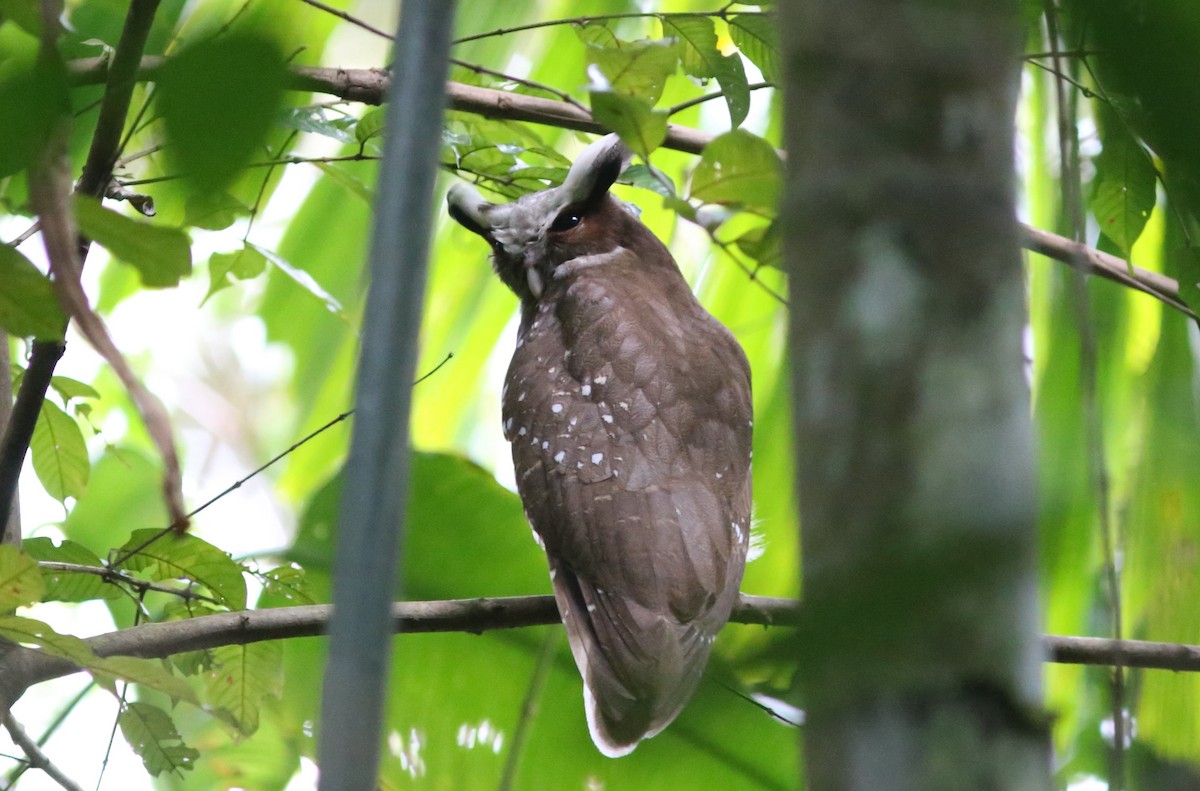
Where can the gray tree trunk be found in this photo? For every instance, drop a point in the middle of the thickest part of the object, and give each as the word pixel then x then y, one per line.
pixel 919 653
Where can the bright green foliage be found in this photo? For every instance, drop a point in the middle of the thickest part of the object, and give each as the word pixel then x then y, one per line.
pixel 28 306
pixel 739 168
pixel 59 454
pixel 642 128
pixel 215 117
pixel 64 585
pixel 240 677
pixel 699 56
pixel 161 255
pixel 758 39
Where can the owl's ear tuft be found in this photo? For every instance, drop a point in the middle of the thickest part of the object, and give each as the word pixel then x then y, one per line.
pixel 596 169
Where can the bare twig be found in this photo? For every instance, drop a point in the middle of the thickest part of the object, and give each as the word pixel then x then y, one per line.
pixel 37 758
pixel 117 576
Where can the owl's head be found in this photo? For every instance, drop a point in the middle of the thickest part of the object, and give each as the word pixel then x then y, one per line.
pixel 535 234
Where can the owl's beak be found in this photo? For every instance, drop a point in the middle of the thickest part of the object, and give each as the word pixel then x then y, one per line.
pixel 467 206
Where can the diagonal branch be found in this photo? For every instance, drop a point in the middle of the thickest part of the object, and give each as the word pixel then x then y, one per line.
pixel 369 85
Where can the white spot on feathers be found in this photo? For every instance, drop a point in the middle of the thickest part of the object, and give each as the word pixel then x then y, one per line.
pixel 522 396
pixel 607 418
pixel 556 408
pixel 522 431
pixel 586 390
pixel 597 458
pixel 601 379
pixel 558 457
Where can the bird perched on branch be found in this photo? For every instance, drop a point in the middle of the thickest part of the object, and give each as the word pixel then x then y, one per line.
pixel 628 409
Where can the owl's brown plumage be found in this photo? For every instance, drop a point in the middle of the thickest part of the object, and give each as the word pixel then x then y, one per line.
pixel 628 409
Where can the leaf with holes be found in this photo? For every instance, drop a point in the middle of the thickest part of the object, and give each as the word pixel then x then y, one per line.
pixel 641 127
pixel 161 255
pixel 60 457
pixel 757 37
pixel 739 168
pixel 286 586
pixel 634 68
pixel 69 585
pixel 241 677
pixel 28 306
pixel 185 557
pixel 700 57
pixel 20 580
pixel 153 736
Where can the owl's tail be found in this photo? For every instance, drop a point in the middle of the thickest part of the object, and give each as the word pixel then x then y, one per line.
pixel 639 667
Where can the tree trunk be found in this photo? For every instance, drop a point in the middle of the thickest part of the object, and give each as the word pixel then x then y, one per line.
pixel 919 652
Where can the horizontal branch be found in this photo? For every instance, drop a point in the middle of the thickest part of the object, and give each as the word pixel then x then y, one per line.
pixel 22 668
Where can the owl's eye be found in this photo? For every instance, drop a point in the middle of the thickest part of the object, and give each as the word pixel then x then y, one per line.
pixel 566 220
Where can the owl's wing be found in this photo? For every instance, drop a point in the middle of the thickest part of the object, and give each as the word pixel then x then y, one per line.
pixel 631 444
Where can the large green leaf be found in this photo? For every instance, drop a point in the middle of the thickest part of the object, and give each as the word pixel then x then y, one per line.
pixel 739 168
pixel 1122 195
pixel 218 98
pixel 33 93
pixel 185 557
pixel 636 68
pixel 28 306
pixel 161 255
pixel 59 453
pixel 700 57
pixel 757 36
pixel 641 127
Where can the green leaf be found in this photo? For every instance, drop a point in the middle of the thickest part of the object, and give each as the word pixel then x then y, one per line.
pixel 347 180
pixel 218 98
pixel 160 254
pixel 596 34
pixel 28 306
pixel 20 580
pixel 213 211
pixel 762 244
pixel 635 68
pixel 152 735
pixel 33 93
pixel 69 585
pixel 189 558
pixel 757 37
pixel 739 168
pixel 648 178
pixel 1123 191
pixel 24 13
pixel 286 586
pixel 700 57
pixel 149 673
pixel 243 264
pixel 641 127
pixel 59 453
pixel 370 125
pixel 70 388
pixel 241 677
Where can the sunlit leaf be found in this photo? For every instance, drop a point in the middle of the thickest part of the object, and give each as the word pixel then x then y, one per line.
pixel 370 125
pixel 286 586
pixel 28 306
pixel 320 121
pixel 645 177
pixel 700 57
pixel 161 255
pixel 70 388
pixel 739 168
pixel 241 264
pixel 153 736
pixel 757 36
pixel 185 557
pixel 635 68
pixel 59 453
pixel 218 98
pixel 1123 190
pixel 20 581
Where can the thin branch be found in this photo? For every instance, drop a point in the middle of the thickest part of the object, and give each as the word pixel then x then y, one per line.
pixel 37 758
pixel 720 13
pixel 349 18
pixel 116 576
pixel 561 95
